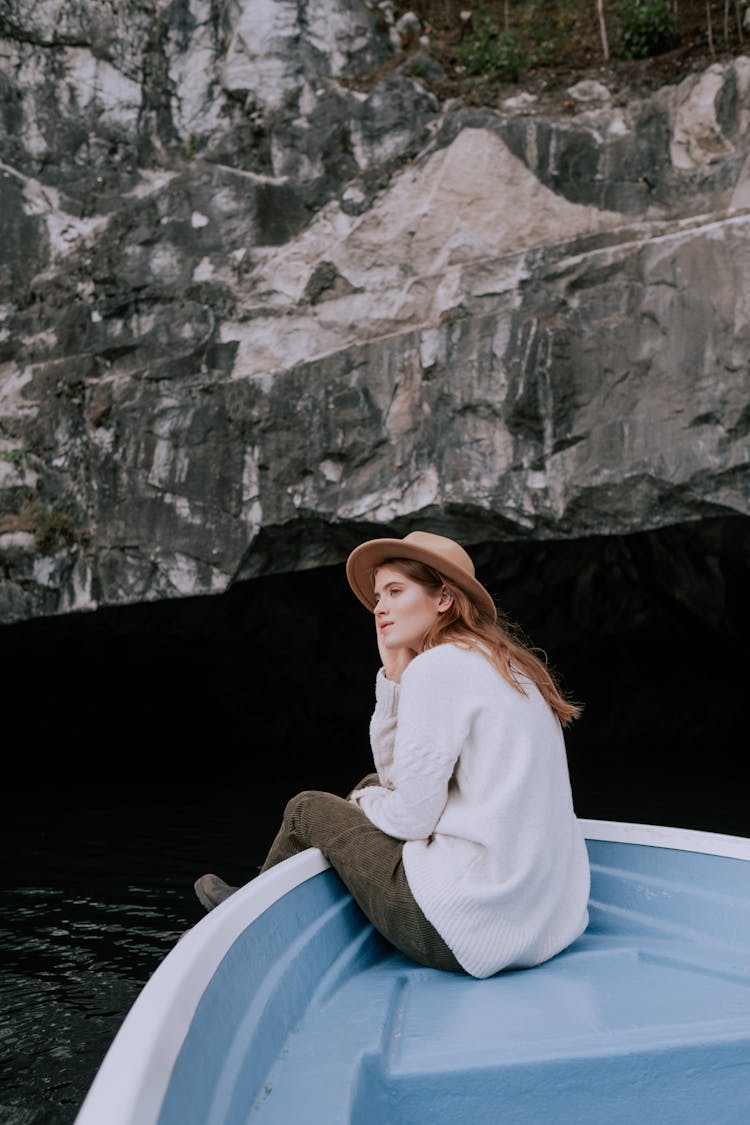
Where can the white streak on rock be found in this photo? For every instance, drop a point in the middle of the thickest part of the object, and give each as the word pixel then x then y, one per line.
pixel 19 540
pixel 204 271
pixel 406 495
pixel 332 471
pixel 102 88
pixel 77 593
pixel 258 60
pixel 150 183
pixel 196 108
pixel 181 571
pixel 697 138
pixel 430 346
pixel 45 571
pixel 64 230
pixel 12 382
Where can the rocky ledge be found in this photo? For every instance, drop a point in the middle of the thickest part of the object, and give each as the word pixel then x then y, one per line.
pixel 251 312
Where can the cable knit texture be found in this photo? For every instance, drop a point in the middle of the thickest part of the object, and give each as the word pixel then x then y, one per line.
pixel 474 777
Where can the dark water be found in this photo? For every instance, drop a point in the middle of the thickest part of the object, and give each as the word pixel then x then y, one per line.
pixel 93 898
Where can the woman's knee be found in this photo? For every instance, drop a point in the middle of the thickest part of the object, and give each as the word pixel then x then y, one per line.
pixel 306 800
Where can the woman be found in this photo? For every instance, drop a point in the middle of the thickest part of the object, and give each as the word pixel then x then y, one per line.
pixel 463 849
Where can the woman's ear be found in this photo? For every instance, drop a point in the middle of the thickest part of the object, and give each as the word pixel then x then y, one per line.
pixel 446 597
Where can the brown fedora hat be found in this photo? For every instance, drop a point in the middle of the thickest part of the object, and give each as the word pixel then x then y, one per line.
pixel 444 555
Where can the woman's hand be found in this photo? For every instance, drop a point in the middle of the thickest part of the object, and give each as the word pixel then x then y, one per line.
pixel 395 660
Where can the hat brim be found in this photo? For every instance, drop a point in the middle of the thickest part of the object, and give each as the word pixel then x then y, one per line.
pixel 363 560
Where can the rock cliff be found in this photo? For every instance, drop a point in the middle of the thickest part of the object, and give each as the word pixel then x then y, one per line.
pixel 253 309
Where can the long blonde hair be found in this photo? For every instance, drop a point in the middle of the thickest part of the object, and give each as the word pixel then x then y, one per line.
pixel 465 624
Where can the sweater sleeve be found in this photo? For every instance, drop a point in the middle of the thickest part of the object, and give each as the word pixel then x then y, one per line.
pixel 432 725
pixel 383 726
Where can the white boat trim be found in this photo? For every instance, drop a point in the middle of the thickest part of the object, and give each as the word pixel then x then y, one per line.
pixel 132 1081
pixel 660 836
pixel 133 1078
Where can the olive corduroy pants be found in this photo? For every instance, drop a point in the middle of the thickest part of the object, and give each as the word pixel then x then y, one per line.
pixel 369 863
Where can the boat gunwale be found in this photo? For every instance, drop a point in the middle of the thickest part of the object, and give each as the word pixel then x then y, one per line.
pixel 662 836
pixel 132 1080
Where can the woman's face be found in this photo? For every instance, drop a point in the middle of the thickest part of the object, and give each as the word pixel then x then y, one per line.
pixel 405 610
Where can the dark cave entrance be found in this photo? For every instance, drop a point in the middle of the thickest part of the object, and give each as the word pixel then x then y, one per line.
pixel 272 681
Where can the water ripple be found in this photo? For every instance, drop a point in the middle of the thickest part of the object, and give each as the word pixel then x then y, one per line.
pixel 96 900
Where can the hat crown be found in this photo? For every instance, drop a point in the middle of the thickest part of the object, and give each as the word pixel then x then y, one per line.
pixel 439 545
pixel 442 554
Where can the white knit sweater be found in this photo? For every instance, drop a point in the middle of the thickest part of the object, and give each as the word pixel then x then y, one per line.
pixel 474 777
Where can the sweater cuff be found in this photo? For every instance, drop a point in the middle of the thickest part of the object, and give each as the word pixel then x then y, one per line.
pixel 355 795
pixel 386 695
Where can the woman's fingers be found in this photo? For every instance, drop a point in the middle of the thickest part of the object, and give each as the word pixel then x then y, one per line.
pixel 395 660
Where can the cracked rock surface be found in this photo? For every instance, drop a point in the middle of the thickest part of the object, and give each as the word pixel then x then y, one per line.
pixel 250 314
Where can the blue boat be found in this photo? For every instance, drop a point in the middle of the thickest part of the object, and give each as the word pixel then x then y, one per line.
pixel 284 1005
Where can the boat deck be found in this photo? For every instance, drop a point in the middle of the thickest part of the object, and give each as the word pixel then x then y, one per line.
pixel 645 1018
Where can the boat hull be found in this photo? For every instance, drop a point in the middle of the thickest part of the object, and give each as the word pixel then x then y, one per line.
pixel 308 1013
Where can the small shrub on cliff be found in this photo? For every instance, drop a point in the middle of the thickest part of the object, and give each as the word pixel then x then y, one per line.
pixel 490 53
pixel 647 27
pixel 19 458
pixel 47 525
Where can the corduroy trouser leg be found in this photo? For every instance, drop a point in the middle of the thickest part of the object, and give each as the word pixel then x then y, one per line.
pixel 369 863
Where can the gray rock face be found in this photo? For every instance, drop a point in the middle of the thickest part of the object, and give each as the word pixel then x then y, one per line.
pixel 251 313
